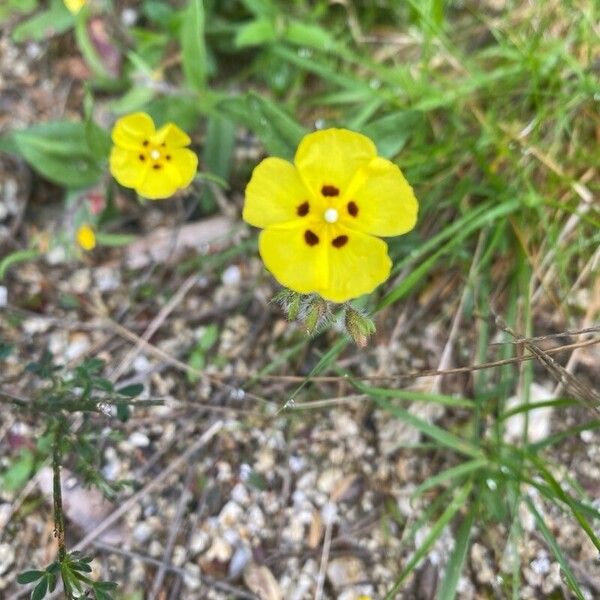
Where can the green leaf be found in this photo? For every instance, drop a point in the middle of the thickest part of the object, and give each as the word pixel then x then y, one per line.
pixel 5 350
pixel 15 258
pixel 40 590
pixel 59 151
pixel 12 7
pixel 197 358
pixel 131 391
pixel 447 590
pixel 311 36
pixel 19 472
pixel 192 45
pixel 258 32
pixel 135 99
pixel 88 49
pixel 217 152
pixel 29 576
pixel 390 133
pixel 114 240
pixel 98 138
pixel 261 8
pixel 43 25
pixel 279 132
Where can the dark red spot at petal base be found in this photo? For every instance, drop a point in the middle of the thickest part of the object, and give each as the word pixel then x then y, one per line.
pixel 145 142
pixel 302 209
pixel 352 208
pixel 142 157
pixel 156 167
pixel 339 241
pixel 311 238
pixel 330 190
pixel 168 157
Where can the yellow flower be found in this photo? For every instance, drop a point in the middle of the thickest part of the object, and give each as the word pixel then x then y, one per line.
pixel 154 163
pixel 86 237
pixel 75 5
pixel 321 214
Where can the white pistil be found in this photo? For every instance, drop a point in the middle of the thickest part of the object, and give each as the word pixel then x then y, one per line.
pixel 155 155
pixel 331 215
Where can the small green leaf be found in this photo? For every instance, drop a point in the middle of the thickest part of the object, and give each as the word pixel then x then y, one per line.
pixel 131 391
pixel 114 240
pixel 29 576
pixel 19 472
pixel 59 151
pixel 40 590
pixel 307 35
pixel 217 153
pixel 123 412
pixel 43 25
pixel 258 32
pixel 5 350
pixel 14 258
pixel 192 45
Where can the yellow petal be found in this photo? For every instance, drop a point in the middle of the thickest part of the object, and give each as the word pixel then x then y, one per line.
pixel 172 136
pixel 158 184
pixel 380 201
pixel 86 237
pixel 126 167
pixel 182 167
pixel 276 194
pixel 132 130
pixel 295 264
pixel 331 157
pixel 357 264
pixel 75 6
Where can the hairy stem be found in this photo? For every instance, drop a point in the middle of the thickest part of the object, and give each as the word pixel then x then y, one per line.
pixel 59 517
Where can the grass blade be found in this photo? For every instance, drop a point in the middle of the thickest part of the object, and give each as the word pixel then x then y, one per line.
pixel 553 544
pixel 447 589
pixel 455 505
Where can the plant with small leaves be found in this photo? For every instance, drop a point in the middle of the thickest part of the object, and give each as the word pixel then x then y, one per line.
pixel 63 392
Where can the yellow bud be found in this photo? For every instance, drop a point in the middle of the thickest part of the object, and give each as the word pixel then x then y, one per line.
pixel 86 237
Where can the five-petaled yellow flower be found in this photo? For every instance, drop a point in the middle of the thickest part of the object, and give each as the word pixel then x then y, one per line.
pixel 321 214
pixel 75 6
pixel 154 163
pixel 86 237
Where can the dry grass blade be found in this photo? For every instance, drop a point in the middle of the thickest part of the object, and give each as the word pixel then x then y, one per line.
pixel 579 390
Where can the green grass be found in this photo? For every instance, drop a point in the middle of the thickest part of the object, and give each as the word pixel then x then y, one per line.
pixel 492 116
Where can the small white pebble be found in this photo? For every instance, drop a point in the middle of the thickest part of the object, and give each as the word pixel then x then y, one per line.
pixel 141 364
pixel 231 276
pixel 329 512
pixel 129 17
pixel 139 439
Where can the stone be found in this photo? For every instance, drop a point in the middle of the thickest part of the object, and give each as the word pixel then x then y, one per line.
pixel 345 570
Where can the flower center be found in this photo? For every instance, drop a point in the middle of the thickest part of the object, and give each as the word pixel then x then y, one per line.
pixel 155 154
pixel 331 215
